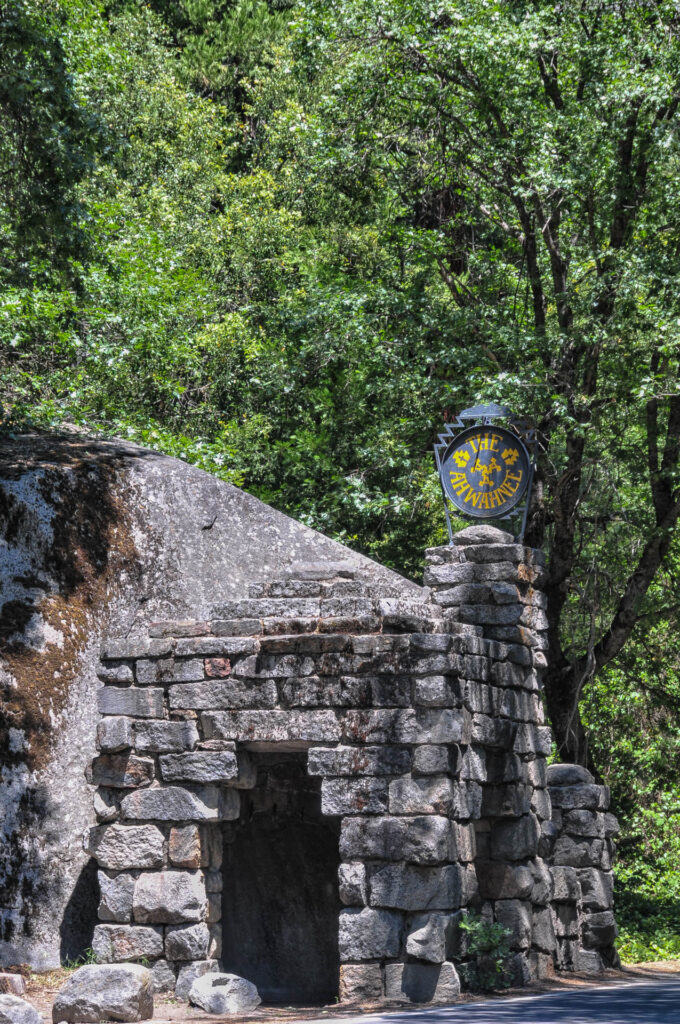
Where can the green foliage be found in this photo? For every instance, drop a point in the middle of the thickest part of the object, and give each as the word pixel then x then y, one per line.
pixel 48 142
pixel 631 714
pixel 489 943
pixel 285 242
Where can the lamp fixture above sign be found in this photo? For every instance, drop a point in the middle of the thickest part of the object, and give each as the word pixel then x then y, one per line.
pixel 485 461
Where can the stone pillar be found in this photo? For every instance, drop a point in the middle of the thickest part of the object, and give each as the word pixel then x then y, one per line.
pixel 488 584
pixel 581 866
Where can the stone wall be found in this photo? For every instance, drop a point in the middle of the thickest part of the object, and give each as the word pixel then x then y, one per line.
pixel 422 716
pixel 581 855
pixel 101 538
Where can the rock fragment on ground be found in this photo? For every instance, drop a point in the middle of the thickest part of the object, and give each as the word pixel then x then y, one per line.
pixel 98 992
pixel 12 984
pixel 224 993
pixel 14 1010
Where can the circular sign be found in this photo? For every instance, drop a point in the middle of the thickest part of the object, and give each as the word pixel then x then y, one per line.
pixel 485 471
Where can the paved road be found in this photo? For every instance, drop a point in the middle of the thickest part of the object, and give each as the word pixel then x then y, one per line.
pixel 656 1002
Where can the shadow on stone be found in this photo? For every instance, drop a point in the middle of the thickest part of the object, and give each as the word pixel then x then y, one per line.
pixel 80 915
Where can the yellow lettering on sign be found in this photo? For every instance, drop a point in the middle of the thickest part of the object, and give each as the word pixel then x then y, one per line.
pixel 495 441
pixel 474 443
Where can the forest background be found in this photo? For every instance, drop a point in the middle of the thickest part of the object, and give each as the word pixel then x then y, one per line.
pixel 287 240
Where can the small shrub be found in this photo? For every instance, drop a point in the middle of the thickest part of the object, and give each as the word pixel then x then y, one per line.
pixel 489 944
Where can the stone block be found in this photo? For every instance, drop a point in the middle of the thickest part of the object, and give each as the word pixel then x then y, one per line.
pixel 383 760
pixel 113 700
pixel 565 920
pixel 11 985
pixel 584 823
pixel 493 732
pixel 115 897
pixel 224 695
pixel 200 766
pixel 566 886
pixel 597 888
pixel 422 983
pixel 431 759
pixel 352 884
pixel 387 726
pixel 568 775
pixel 15 1010
pixel 587 961
pixel 120 648
pixel 271 726
pixel 214 913
pixel 184 849
pixel 105 804
pixel 187 942
pixel 122 847
pixel 429 643
pixel 415 887
pixel 435 692
pixel 450 576
pixel 510 800
pixel 169 897
pixel 598 930
pixel 122 771
pixel 611 825
pixel 368 934
pixel 168 670
pixel 541 805
pixel 360 983
pixel 163 976
pixel 494 615
pixel 429 795
pixel 188 974
pixel 498 880
pixel 175 803
pixel 533 739
pixel 164 737
pixel 481 533
pixel 116 673
pixel 464 841
pixel 96 992
pixel 542 890
pixel 236 627
pixel 515 840
pixel 224 994
pixel 354 796
pixel 421 840
pixel 217 668
pixel 429 937
pixel 542 930
pixel 473 765
pixel 581 853
pixel 115 943
pixel 179 627
pixel 215 646
pixel 503 766
pixel 256 608
pixel 516 916
pixel 114 733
